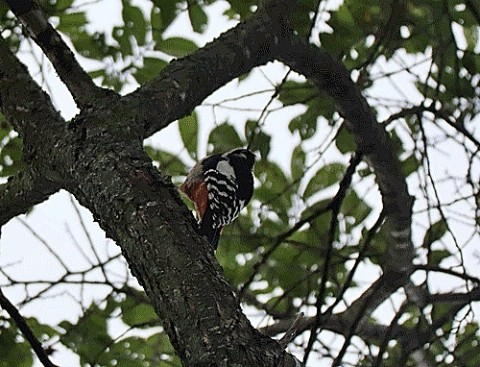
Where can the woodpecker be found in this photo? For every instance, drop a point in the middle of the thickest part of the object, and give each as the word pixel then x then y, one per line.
pixel 220 186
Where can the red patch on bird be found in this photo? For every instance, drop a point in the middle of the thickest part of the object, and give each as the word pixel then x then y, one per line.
pixel 197 193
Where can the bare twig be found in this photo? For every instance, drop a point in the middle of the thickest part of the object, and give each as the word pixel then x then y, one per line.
pixel 44 243
pixel 335 206
pixel 26 331
pixel 292 332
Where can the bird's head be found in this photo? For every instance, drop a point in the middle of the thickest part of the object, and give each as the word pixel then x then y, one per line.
pixel 242 154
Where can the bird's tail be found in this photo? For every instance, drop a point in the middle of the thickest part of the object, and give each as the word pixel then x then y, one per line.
pixel 206 228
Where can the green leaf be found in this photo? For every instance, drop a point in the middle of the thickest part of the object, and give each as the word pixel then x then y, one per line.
pixel 294 92
pixel 123 39
pixel 135 23
pixel 92 46
pixel 378 247
pixel 139 315
pixel 306 123
pixel 168 11
pixel 345 141
pixel 176 46
pixel 471 36
pixel 355 207
pixel 467 341
pixel 275 188
pixel 151 68
pixel 259 140
pixel 62 5
pixel 436 231
pixel 14 352
pixel 137 351
pixel 436 256
pixel 5 128
pixel 243 8
pixel 471 62
pixel 42 332
pixel 99 73
pixel 71 22
pixel 410 164
pixel 168 162
pixel 156 22
pixel 188 127
pixel 281 304
pixel 303 258
pixel 13 149
pixel 439 310
pixel 113 81
pixel 235 274
pixel 297 164
pixel 198 17
pixel 345 17
pixel 223 138
pixel 417 43
pixel 300 18
pixel 326 176
pixel 89 336
pixel 413 315
pixel 11 156
pixel 397 143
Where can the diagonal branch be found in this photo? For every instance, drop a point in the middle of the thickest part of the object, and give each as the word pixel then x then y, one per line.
pixel 373 141
pixel 25 105
pixel 337 202
pixel 78 82
pixel 412 339
pixel 439 113
pixel 26 331
pixel 371 138
pixel 186 82
pixel 32 115
pixel 21 192
pixel 367 331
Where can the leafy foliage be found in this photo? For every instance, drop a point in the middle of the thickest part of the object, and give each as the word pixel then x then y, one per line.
pixel 13 345
pixel 275 255
pixel 89 337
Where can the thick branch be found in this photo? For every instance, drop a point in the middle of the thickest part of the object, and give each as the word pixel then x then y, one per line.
pixel 23 102
pixel 371 138
pixel 411 338
pixel 33 116
pixel 138 208
pixel 78 82
pixel 21 192
pixel 367 331
pixel 373 297
pixel 185 83
pixel 142 212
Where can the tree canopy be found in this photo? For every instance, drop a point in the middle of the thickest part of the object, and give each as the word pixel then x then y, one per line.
pixel 359 246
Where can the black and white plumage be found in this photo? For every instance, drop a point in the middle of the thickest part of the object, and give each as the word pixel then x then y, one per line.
pixel 220 185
